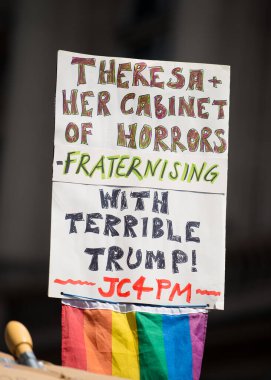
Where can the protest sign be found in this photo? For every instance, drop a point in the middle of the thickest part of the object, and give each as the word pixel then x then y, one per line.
pixel 139 181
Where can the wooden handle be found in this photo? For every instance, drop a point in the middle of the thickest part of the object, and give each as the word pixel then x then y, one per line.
pixel 17 338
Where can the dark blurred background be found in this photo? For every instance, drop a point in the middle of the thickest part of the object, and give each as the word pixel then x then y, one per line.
pixel 236 33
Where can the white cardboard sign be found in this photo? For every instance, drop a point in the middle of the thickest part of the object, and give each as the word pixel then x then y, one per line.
pixel 139 181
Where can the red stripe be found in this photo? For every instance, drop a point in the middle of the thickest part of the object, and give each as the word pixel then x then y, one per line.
pixel 73 345
pixel 73 282
pixel 207 292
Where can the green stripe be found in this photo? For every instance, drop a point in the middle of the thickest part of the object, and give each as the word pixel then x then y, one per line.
pixel 152 356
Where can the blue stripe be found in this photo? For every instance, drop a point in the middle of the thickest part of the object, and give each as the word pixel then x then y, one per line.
pixel 178 347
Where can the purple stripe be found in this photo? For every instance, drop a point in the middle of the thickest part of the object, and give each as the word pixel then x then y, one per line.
pixel 198 324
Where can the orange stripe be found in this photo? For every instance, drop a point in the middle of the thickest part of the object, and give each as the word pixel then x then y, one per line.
pixel 98 340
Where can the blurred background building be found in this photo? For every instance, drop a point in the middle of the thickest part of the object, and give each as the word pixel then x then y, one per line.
pixel 236 33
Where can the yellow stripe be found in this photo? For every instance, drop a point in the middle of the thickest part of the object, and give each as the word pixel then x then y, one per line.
pixel 125 358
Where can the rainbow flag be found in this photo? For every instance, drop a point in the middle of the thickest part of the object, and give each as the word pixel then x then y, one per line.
pixel 135 344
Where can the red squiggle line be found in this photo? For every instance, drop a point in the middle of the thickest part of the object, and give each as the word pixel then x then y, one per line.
pixel 207 292
pixel 73 282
